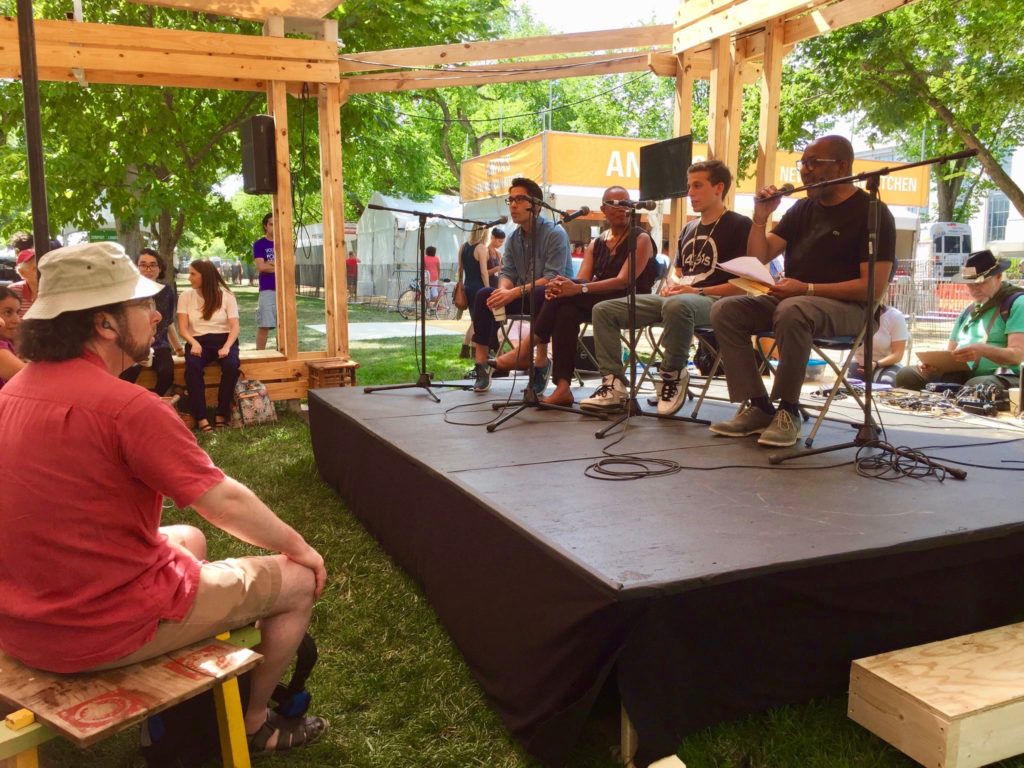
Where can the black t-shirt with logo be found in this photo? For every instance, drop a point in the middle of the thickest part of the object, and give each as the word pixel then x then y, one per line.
pixel 828 243
pixel 702 247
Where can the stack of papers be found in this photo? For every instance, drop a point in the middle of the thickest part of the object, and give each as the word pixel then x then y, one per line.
pixel 752 276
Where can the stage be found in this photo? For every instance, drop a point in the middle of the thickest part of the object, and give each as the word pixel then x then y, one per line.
pixel 724 589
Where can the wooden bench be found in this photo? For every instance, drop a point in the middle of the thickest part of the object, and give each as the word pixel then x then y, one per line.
pixel 956 703
pixel 285 379
pixel 87 708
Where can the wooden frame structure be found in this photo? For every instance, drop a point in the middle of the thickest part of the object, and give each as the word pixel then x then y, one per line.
pixel 731 43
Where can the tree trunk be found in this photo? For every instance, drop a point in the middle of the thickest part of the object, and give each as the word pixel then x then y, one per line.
pixel 129 235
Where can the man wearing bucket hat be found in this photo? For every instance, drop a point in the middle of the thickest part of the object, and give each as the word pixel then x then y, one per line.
pixel 989 334
pixel 90 578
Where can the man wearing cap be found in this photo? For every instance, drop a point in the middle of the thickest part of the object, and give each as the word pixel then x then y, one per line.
pixel 989 334
pixel 90 578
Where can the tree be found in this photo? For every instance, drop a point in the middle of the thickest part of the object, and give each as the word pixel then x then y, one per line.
pixel 950 70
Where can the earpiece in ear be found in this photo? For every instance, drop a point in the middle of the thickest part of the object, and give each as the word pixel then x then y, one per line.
pixel 106 325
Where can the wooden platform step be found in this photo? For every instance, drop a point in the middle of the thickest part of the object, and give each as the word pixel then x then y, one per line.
pixel 955 703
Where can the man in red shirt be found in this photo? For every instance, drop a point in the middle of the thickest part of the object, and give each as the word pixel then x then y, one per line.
pixel 90 578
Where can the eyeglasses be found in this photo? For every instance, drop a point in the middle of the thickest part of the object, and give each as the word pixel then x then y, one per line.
pixel 516 199
pixel 148 304
pixel 813 162
pixel 144 265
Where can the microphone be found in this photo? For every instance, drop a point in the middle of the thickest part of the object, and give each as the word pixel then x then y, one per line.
pixel 643 205
pixel 575 214
pixel 496 222
pixel 785 189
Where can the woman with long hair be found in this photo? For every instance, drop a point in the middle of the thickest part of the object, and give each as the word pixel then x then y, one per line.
pixel 478 260
pixel 208 322
pixel 151 265
pixel 10 363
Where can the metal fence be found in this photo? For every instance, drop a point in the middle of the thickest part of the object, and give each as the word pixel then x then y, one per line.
pixel 931 307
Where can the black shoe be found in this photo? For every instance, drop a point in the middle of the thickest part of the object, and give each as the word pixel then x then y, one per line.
pixel 465 353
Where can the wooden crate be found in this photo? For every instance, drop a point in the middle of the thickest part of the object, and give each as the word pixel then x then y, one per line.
pixel 332 373
pixel 956 703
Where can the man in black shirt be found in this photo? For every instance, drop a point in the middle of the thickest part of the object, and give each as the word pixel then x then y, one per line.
pixel 823 293
pixel 685 299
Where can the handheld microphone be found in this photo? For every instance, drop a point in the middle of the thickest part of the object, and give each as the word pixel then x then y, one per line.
pixel 785 189
pixel 643 205
pixel 575 214
pixel 496 222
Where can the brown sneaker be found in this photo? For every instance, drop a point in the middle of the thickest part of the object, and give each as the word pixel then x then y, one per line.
pixel 749 420
pixel 783 432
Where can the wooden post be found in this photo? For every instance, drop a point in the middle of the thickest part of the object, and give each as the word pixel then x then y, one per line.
pixel 333 190
pixel 682 121
pixel 284 244
pixel 722 124
pixel 771 89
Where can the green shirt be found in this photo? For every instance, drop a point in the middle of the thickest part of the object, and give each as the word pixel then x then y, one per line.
pixel 978 331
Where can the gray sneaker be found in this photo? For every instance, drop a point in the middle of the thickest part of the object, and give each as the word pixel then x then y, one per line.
pixel 610 396
pixel 673 391
pixel 749 420
pixel 783 432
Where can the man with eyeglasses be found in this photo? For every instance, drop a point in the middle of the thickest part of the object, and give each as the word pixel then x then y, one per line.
pixel 515 289
pixel 823 293
pixel 91 579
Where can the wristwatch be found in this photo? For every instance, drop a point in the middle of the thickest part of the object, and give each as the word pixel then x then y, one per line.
pixel 584 288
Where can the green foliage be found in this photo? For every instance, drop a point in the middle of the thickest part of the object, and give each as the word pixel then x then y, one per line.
pixel 930 76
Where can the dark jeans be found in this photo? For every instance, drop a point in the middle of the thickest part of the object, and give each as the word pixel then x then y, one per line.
pixel 559 322
pixel 911 378
pixel 163 367
pixel 484 324
pixel 194 365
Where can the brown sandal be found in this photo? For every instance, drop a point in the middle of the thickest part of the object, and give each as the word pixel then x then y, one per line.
pixel 221 423
pixel 205 427
pixel 291 732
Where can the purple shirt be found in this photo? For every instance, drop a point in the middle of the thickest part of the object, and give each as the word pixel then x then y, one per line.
pixel 10 348
pixel 264 249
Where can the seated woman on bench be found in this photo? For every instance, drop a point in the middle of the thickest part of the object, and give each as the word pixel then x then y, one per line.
pixel 208 322
pixel 603 275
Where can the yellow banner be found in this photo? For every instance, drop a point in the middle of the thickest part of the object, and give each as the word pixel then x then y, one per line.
pixel 490 175
pixel 582 160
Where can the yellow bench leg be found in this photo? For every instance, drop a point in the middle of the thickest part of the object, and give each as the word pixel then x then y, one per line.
pixel 27 759
pixel 234 749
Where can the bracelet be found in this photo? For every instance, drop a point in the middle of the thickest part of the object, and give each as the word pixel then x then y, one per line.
pixel 759 223
pixel 810 289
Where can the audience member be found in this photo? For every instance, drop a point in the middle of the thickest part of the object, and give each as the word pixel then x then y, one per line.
pixel 151 265
pixel 28 286
pixel 432 271
pixel 10 363
pixel 208 322
pixel 90 578
pixel 478 263
pixel 988 337
pixel 888 346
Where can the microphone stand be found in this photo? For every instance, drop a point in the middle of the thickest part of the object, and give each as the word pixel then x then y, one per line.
pixel 867 431
pixel 425 380
pixel 632 406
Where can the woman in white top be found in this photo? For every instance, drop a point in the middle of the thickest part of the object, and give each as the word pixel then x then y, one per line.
pixel 888 347
pixel 208 323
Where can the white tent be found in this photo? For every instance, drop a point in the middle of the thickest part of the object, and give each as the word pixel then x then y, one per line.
pixel 387 242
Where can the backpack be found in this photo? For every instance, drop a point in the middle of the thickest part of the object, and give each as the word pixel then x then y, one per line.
pixel 186 735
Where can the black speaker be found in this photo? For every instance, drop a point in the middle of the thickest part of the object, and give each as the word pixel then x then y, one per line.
pixel 259 162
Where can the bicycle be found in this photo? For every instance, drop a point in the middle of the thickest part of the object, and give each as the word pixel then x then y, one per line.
pixel 440 307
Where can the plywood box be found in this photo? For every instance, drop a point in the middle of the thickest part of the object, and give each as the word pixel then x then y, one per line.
pixel 956 703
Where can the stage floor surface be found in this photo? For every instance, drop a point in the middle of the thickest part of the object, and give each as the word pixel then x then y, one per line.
pixel 671 530
pixel 549 580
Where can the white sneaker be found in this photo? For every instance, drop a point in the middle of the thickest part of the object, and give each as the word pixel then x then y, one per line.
pixel 673 391
pixel 610 396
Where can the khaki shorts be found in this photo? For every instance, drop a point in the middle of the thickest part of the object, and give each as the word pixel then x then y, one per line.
pixel 232 593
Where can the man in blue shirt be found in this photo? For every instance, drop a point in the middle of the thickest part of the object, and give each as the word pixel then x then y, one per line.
pixel 517 283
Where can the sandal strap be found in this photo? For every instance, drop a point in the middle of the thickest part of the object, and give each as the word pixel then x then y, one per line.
pixel 258 741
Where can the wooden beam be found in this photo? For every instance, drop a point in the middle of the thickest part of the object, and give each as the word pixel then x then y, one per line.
pixel 100 77
pixel 682 124
pixel 723 124
pixel 836 16
pixel 692 11
pixel 284 244
pixel 184 64
pixel 251 9
pixel 581 66
pixel 332 194
pixel 488 50
pixel 169 40
pixel 771 90
pixel 663 64
pixel 733 19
